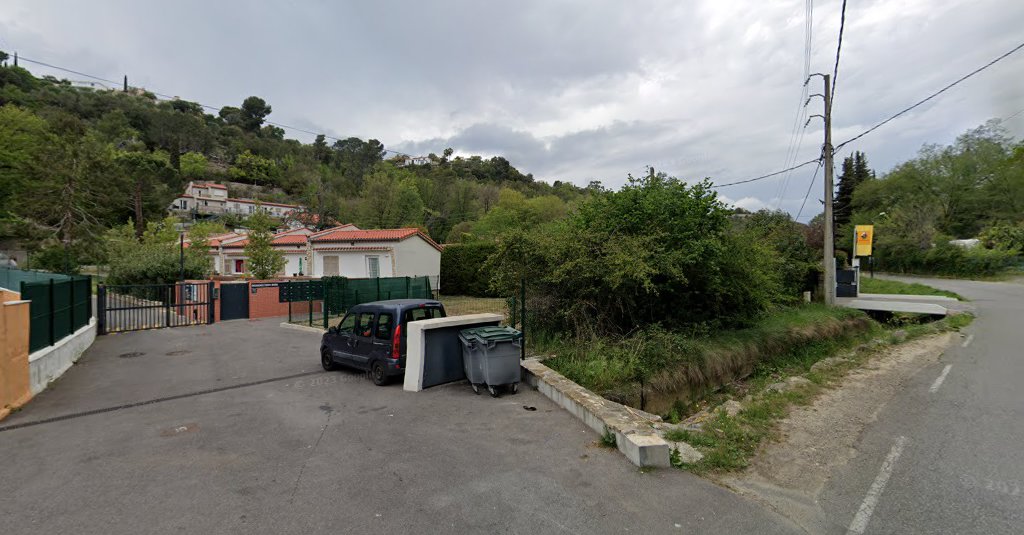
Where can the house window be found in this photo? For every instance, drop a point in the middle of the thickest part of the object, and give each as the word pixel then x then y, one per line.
pixel 239 266
pixel 373 267
pixel 250 208
pixel 184 204
pixel 330 266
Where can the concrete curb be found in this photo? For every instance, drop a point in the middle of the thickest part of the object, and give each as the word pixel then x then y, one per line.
pixel 635 436
pixel 305 328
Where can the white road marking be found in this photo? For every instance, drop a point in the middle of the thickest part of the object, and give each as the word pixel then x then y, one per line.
pixel 867 507
pixel 967 342
pixel 941 377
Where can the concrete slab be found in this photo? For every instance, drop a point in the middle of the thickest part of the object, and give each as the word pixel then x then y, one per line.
pixel 888 305
pixel 901 297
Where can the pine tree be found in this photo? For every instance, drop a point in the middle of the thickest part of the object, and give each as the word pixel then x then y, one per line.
pixel 855 172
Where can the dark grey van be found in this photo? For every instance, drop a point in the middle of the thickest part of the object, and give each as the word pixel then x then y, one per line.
pixel 372 336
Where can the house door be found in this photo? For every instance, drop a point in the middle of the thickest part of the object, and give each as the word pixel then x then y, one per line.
pixel 373 267
pixel 239 266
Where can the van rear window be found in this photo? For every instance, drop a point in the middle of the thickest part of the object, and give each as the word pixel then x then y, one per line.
pixel 425 313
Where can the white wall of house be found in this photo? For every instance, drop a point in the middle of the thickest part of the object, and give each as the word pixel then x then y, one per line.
pixel 414 257
pixel 354 264
pixel 292 267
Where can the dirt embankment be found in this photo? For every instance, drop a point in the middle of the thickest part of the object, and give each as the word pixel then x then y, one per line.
pixel 816 439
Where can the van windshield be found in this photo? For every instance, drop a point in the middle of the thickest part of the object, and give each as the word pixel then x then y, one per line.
pixel 423 313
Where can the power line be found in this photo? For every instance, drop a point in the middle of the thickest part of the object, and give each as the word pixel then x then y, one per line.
pixel 769 175
pixel 810 186
pixel 206 106
pixel 839 47
pixel 795 143
pixel 929 97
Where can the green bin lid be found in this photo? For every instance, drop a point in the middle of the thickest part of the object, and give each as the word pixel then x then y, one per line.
pixel 488 334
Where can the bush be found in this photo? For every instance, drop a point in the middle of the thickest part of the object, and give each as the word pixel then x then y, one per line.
pixel 156 258
pixel 657 251
pixel 945 259
pixel 1004 237
pixel 461 269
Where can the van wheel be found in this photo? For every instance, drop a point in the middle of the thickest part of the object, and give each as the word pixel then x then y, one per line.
pixel 377 374
pixel 326 361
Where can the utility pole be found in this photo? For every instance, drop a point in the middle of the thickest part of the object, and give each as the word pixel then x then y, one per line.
pixel 829 260
pixel 181 256
pixel 830 255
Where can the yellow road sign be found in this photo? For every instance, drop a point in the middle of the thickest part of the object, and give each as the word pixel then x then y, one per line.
pixel 863 235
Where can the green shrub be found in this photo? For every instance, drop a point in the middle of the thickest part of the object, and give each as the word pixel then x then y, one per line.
pixel 1004 237
pixel 461 272
pixel 656 251
pixel 945 259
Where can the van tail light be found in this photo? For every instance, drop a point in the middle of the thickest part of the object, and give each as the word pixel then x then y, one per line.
pixel 396 343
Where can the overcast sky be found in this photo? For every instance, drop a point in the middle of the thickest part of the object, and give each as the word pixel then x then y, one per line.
pixel 568 90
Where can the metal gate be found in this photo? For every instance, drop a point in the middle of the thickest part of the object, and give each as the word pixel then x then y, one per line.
pixel 139 307
pixel 234 301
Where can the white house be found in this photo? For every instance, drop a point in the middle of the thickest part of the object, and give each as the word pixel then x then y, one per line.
pixel 209 198
pixel 344 250
pixel 355 253
pixel 294 244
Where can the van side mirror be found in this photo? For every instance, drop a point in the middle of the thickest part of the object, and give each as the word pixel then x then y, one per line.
pixel 332 330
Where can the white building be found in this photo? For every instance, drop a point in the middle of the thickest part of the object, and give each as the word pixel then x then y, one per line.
pixel 208 198
pixel 344 251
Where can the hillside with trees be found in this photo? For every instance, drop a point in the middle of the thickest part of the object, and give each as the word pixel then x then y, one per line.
pixel 75 162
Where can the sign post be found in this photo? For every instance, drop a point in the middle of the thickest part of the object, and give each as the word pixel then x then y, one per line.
pixel 863 236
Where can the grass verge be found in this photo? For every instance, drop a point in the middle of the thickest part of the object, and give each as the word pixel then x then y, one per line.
pixel 728 443
pixel 884 286
pixel 653 369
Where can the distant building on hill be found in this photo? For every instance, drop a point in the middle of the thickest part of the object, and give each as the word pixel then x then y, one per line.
pixel 209 198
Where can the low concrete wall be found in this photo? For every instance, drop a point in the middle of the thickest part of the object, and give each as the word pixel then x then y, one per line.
pixel 51 362
pixel 635 436
pixel 14 376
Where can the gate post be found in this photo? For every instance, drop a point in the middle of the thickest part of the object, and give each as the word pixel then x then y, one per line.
pixel 167 304
pixel 210 318
pixel 101 309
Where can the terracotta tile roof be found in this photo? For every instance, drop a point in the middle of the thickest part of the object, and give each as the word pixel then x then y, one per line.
pixel 291 239
pixel 340 234
pixel 346 249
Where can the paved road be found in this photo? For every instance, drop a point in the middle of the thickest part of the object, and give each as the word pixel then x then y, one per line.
pixel 952 444
pixel 318 452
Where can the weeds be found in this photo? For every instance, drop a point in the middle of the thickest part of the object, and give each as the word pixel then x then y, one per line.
pixel 608 439
pixel 728 443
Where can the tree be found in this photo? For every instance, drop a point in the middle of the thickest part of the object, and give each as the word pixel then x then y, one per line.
pixel 144 171
pixel 253 112
pixel 390 199
pixel 193 165
pixel 254 169
pixel 263 260
pixel 855 172
pixel 153 258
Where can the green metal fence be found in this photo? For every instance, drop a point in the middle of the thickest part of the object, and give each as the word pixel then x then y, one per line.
pixel 60 304
pixel 333 296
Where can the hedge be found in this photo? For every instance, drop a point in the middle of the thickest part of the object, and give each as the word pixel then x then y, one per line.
pixel 461 269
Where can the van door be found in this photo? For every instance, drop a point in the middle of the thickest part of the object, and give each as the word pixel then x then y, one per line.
pixel 341 343
pixel 382 336
pixel 362 340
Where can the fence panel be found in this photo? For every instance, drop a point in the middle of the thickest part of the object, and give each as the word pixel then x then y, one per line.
pixel 60 306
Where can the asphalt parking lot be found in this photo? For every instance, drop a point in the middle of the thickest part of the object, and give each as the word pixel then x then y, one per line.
pixel 234 428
